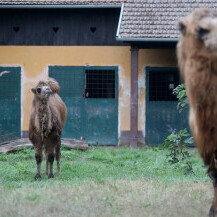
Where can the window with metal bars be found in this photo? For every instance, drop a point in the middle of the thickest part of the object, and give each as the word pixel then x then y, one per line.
pixel 99 83
pixel 162 83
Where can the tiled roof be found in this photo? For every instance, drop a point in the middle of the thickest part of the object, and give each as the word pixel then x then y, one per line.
pixel 60 2
pixel 157 18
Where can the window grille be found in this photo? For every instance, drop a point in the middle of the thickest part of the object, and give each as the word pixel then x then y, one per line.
pixel 161 85
pixel 100 83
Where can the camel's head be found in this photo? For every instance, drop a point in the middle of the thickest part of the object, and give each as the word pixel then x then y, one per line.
pixel 42 91
pixel 201 27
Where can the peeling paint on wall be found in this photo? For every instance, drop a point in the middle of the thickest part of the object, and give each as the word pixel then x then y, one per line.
pixel 4 72
pixel 124 100
pixel 27 95
pixel 141 101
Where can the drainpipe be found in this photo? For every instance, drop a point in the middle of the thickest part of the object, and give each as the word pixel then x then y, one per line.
pixel 134 97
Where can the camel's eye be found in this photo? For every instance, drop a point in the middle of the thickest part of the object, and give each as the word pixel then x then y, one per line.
pixel 201 32
pixel 38 90
pixel 182 28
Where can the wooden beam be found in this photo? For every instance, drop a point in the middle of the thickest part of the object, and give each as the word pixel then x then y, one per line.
pixel 134 97
pixel 19 144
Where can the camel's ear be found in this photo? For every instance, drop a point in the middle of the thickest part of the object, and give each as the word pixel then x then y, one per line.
pixel 33 90
pixel 182 27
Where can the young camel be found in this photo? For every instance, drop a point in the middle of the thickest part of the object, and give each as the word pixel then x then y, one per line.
pixel 46 124
pixel 197 58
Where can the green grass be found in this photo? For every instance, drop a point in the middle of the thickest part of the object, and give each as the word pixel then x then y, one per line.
pixel 98 165
pixel 109 181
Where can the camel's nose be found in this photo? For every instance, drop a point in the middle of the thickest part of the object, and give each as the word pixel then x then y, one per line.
pixel 48 91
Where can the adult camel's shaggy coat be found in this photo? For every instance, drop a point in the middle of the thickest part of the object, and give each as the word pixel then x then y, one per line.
pixel 46 124
pixel 197 58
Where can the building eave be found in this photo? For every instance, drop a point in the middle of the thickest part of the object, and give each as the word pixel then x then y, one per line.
pixel 45 6
pixel 148 39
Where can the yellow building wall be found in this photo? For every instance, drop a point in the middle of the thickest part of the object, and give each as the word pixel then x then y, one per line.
pixel 34 61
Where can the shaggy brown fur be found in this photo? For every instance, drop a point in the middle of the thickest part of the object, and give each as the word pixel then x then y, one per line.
pixel 46 123
pixel 197 57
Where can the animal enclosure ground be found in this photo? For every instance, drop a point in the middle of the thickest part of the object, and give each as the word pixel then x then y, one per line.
pixel 104 182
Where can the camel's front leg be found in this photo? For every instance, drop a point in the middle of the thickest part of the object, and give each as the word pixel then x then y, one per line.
pixel 51 160
pixel 38 158
pixel 37 143
pixel 46 155
pixel 50 146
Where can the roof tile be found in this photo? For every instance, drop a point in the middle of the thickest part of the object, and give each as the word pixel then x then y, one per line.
pixel 157 18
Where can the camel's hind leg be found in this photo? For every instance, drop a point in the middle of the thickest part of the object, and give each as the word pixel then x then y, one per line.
pixel 212 172
pixel 58 156
pixel 46 167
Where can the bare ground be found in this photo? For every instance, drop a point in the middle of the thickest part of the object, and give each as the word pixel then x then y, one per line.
pixel 145 198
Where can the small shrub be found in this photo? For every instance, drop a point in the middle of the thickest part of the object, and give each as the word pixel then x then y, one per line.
pixel 180 93
pixel 177 144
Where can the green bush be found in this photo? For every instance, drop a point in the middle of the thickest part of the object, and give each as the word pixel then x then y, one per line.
pixel 178 143
pixel 180 93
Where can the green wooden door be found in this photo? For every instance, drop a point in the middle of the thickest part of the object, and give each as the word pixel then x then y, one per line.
pixel 162 115
pixel 102 108
pixel 10 103
pixel 71 81
pixel 89 115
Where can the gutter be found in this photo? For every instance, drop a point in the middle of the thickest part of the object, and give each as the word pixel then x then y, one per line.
pixel 120 20
pixel 56 6
pixel 147 39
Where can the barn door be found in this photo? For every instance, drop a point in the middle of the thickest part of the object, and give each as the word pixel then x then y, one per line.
pixel 10 105
pixel 162 116
pixel 101 104
pixel 71 81
pixel 91 97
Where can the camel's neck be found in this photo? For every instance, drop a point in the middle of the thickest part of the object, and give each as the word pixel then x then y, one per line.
pixel 42 111
pixel 204 66
pixel 43 115
pixel 41 106
pixel 201 81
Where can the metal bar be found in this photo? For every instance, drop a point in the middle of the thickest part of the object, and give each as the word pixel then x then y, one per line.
pixel 134 97
pixel 119 22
